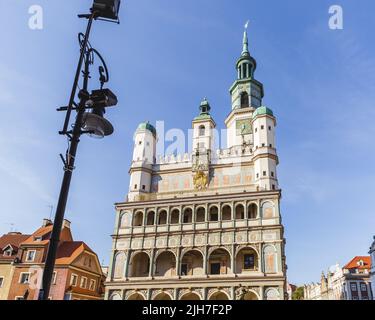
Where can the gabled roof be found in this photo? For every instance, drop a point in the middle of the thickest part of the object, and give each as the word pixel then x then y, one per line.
pixel 354 263
pixel 11 239
pixel 68 251
pixel 44 232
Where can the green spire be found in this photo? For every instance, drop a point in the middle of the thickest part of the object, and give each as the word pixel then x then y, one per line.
pixel 204 110
pixel 204 107
pixel 245 42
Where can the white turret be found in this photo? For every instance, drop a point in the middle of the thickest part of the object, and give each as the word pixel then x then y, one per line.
pixel 203 129
pixel 265 157
pixel 144 154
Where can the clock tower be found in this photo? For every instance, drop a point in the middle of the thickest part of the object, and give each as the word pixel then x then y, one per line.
pixel 246 94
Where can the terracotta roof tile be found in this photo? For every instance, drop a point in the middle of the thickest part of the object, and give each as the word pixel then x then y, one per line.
pixel 14 239
pixel 354 263
pixel 68 251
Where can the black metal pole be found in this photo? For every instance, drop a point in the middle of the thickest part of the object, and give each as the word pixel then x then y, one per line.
pixel 68 168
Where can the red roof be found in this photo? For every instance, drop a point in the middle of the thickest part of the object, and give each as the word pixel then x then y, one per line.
pixel 68 251
pixel 354 263
pixel 13 239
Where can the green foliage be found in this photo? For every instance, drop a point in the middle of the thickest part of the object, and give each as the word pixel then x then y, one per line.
pixel 298 294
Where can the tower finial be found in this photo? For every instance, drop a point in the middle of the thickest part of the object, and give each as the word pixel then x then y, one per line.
pixel 245 43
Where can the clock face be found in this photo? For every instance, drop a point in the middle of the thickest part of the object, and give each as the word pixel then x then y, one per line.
pixel 243 127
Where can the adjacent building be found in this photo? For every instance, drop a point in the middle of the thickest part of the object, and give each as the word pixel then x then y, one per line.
pixel 77 273
pixel 9 247
pixel 205 225
pixel 372 270
pixel 351 282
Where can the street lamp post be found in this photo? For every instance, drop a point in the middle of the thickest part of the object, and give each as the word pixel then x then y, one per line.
pixel 92 123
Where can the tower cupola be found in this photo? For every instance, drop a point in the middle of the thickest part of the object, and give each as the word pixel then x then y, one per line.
pixel 246 64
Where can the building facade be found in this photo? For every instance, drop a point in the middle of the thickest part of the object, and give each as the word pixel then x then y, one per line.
pixel 372 270
pixel 77 274
pixel 352 282
pixel 9 247
pixel 206 225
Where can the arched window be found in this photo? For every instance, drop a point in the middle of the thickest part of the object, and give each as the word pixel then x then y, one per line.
pixel 125 220
pixel 214 214
pixel 138 219
pixel 252 211
pixel 240 212
pixel 188 216
pixel 202 130
pixel 226 213
pixel 162 217
pixel 244 100
pixel 175 216
pixel 150 218
pixel 200 215
pixel 119 265
pixel 165 265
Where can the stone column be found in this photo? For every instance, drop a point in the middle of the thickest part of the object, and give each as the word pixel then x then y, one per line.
pixel 233 258
pixel 151 269
pixel 178 262
pixel 205 260
pixel 233 293
pixel 127 260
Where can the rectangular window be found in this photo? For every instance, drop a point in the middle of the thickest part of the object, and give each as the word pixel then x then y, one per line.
pixel 272 174
pixel 256 129
pixel 269 128
pixel 24 278
pixel 248 261
pixel 83 282
pixel 273 187
pixel 215 268
pixel 30 255
pixel 257 175
pixel 264 173
pixel 19 298
pixel 184 269
pixel 73 280
pixel 1 282
pixel 92 285
pixel 261 127
pixel 363 287
pixel 263 144
pixel 143 187
pixel 353 286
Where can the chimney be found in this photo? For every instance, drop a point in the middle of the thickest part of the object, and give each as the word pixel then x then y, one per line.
pixel 66 224
pixel 46 222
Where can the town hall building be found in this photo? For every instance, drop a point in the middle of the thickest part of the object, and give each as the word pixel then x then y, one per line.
pixel 205 225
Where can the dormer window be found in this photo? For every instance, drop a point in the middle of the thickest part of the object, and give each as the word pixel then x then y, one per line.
pixel 38 239
pixel 360 263
pixel 30 255
pixel 8 251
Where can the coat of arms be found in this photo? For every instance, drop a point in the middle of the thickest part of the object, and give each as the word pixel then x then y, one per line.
pixel 200 180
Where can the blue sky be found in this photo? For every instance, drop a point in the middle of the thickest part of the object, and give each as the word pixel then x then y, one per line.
pixel 163 58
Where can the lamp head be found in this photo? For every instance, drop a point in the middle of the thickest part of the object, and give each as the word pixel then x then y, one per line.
pixel 96 124
pixel 107 9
